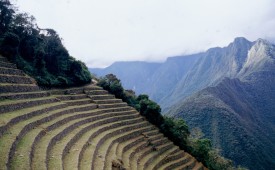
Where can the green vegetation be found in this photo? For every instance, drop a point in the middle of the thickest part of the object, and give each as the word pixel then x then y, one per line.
pixel 175 129
pixel 39 52
pixel 142 103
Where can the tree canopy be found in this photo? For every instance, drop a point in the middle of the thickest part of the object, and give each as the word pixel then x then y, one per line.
pixel 39 52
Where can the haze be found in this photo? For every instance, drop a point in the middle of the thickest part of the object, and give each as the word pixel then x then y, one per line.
pixel 103 31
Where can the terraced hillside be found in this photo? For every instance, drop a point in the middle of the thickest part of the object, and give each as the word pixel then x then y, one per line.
pixel 77 128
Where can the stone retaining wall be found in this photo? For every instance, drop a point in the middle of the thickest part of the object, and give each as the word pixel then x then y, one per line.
pixel 15 79
pixel 11 71
pixel 16 106
pixel 13 88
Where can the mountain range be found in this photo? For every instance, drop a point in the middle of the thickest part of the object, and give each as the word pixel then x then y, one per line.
pixel 227 92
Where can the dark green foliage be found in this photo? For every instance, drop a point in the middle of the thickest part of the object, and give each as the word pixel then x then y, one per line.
pixel 150 110
pixel 201 148
pixel 6 15
pixel 142 103
pixel 39 52
pixel 176 130
pixel 111 83
pixel 9 44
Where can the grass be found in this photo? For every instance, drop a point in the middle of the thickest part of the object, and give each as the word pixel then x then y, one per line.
pixel 7 140
pixel 71 158
pixel 7 117
pixel 40 152
pixel 102 134
pixel 165 166
pixel 99 153
pixel 57 150
pixel 156 156
pixel 88 153
pixel 15 102
pixel 110 152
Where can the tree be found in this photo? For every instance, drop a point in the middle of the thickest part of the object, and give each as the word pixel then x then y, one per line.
pixel 6 15
pixel 176 130
pixel 39 52
pixel 9 45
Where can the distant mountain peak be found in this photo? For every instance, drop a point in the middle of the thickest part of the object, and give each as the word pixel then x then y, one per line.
pixel 240 40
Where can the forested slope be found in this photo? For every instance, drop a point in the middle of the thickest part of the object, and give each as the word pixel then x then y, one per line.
pixel 39 52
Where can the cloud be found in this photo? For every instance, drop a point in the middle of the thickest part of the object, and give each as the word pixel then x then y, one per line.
pixel 101 32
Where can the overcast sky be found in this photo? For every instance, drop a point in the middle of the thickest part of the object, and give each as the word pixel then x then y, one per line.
pixel 100 32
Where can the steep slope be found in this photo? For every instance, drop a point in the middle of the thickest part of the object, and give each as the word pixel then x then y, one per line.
pixel 77 128
pixel 239 110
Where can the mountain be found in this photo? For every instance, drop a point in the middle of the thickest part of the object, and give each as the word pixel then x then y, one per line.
pixel 139 73
pixel 227 92
pixel 215 64
pixel 238 112
pixel 154 79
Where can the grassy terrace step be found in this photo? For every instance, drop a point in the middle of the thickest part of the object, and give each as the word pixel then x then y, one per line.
pixel 13 88
pixel 47 142
pixel 78 128
pixel 173 156
pixel 153 148
pixel 78 90
pixel 96 92
pixel 136 150
pixel 15 79
pixel 110 101
pixel 128 148
pixel 54 153
pixel 148 161
pixel 112 143
pixel 26 95
pixel 176 163
pixel 72 151
pixel 112 105
pixel 126 145
pixel 108 139
pixel 189 165
pixel 71 97
pixel 87 151
pixel 40 126
pixel 11 106
pixel 100 138
pixel 15 133
pixel 102 97
pixel 79 102
pixel 199 166
pixel 157 158
pixel 19 130
pixel 11 71
pixel 56 160
pixel 3 59
pixel 119 109
pixel 7 64
pixel 10 119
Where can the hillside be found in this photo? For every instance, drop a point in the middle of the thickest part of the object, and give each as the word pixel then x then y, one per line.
pixel 238 120
pixel 242 107
pixel 77 128
pixel 230 89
